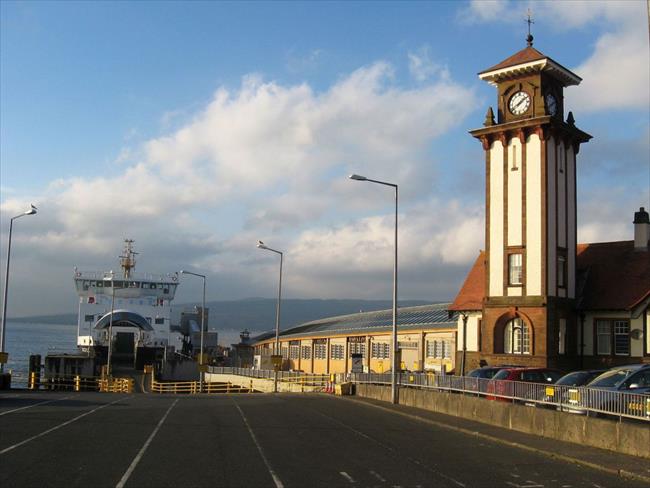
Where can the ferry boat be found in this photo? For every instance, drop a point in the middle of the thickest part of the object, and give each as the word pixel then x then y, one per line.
pixel 127 320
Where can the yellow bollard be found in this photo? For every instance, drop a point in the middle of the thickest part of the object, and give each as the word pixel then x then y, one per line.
pixel 77 383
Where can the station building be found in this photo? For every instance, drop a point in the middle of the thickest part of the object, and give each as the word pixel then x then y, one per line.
pixel 426 339
pixel 534 296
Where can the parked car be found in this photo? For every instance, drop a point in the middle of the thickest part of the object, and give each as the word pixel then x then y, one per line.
pixel 478 379
pixel 624 390
pixel 484 372
pixel 563 396
pixel 508 382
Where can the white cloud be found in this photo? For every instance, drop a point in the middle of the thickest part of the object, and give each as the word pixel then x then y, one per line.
pixel 266 159
pixel 486 11
pixel 422 68
pixel 617 74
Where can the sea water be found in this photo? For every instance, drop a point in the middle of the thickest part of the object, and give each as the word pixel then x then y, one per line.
pixel 23 339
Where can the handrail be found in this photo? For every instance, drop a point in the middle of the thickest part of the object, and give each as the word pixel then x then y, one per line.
pixel 563 398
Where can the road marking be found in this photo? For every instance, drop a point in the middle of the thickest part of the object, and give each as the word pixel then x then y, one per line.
pixel 378 476
pixel 347 476
pixel 34 405
pixel 391 449
pixel 276 479
pixel 56 427
pixel 142 450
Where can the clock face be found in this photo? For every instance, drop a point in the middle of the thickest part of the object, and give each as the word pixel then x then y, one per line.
pixel 551 104
pixel 519 103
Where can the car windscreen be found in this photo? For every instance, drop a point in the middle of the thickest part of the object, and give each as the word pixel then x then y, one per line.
pixel 501 375
pixel 611 378
pixel 573 379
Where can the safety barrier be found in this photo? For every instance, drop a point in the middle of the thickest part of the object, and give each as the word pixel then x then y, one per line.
pixel 116 385
pixel 194 387
pixel 583 400
pixel 35 381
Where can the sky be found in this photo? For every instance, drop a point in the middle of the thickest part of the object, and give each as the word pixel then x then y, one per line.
pixel 197 128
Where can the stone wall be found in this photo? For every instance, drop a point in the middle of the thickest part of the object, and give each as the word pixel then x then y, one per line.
pixel 625 437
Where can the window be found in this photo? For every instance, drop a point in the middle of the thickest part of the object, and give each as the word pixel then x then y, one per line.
pixel 89 318
pixel 621 337
pixel 516 337
pixel 603 337
pixel 561 270
pixel 320 351
pixel 357 348
pixel 561 345
pixel 294 352
pixel 285 352
pixel 439 349
pixel 160 320
pixel 380 350
pixel 515 270
pixel 337 351
pixel 305 352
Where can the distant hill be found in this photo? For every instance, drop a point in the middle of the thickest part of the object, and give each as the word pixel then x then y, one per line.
pixel 259 313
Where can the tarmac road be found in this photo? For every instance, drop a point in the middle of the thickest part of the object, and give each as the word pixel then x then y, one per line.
pixel 284 440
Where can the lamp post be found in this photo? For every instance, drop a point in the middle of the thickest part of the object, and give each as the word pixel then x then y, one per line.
pixel 261 245
pixel 202 326
pixel 31 211
pixel 110 328
pixel 394 392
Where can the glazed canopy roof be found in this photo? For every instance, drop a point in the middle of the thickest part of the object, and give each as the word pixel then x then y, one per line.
pixel 433 316
pixel 528 60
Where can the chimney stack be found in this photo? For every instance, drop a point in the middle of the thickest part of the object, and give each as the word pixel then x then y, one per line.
pixel 641 230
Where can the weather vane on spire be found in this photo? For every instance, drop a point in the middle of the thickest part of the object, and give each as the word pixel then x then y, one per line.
pixel 529 20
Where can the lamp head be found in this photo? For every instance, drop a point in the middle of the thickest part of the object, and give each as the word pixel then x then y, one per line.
pixel 261 245
pixel 31 211
pixel 358 177
pixel 182 271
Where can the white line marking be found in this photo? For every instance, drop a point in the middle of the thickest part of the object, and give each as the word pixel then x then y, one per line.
pixel 347 476
pixel 136 459
pixel 391 449
pixel 276 479
pixel 378 476
pixel 67 422
pixel 34 405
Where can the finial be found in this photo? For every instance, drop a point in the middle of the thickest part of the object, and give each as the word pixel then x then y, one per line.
pixel 489 118
pixel 570 119
pixel 529 20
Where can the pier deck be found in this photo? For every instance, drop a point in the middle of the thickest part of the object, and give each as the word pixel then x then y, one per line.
pixel 285 440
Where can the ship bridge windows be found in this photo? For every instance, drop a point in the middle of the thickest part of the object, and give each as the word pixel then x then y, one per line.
pixel 89 318
pixel 160 320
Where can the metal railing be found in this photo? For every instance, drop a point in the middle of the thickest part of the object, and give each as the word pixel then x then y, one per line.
pixel 310 380
pixel 35 381
pixel 572 399
pixel 194 387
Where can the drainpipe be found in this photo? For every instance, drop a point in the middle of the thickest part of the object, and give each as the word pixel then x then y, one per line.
pixel 462 364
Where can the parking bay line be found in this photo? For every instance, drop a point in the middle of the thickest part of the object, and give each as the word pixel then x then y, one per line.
pixel 52 429
pixel 276 479
pixel 136 460
pixel 34 405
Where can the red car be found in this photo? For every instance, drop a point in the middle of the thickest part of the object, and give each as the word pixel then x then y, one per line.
pixel 508 382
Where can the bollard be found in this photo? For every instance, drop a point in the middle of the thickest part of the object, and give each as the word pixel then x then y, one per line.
pixel 34 371
pixel 77 383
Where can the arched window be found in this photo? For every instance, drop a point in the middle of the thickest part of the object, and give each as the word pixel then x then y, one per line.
pixel 516 337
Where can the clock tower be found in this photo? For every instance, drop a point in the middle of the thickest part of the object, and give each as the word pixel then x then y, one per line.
pixel 531 148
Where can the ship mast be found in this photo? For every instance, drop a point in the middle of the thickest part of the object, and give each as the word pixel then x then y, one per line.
pixel 127 259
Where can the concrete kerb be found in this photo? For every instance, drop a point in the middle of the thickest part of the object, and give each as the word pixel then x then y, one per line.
pixel 619 472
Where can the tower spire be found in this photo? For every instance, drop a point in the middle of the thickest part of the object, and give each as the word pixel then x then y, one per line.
pixel 529 20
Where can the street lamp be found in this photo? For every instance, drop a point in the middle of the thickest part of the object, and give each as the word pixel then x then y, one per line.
pixel 31 211
pixel 261 245
pixel 393 381
pixel 202 324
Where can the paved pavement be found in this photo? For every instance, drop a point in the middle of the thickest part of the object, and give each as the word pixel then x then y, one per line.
pixel 93 439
